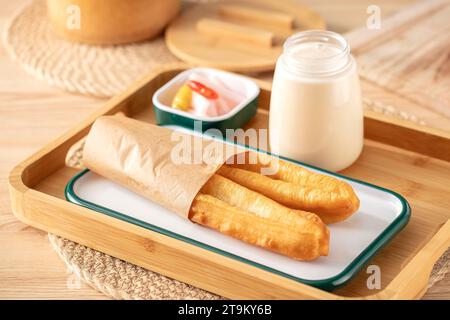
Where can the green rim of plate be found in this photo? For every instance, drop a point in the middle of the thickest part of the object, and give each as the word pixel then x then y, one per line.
pixel 328 284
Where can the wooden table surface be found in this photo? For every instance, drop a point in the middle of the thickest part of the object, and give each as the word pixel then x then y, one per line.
pixel 32 114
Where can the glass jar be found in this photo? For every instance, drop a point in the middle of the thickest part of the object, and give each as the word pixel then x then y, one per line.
pixel 316 113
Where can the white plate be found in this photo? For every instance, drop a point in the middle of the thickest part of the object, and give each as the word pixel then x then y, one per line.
pixel 353 242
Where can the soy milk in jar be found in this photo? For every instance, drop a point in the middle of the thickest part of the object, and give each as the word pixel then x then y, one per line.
pixel 316 113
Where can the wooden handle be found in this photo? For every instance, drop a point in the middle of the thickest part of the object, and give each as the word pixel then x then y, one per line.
pixel 266 17
pixel 220 28
pixel 412 282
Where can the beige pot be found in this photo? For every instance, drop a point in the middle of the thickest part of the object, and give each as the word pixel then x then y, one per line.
pixel 110 21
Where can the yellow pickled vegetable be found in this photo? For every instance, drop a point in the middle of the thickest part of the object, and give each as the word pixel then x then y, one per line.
pixel 182 100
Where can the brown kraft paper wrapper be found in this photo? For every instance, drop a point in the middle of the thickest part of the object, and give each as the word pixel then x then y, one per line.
pixel 160 164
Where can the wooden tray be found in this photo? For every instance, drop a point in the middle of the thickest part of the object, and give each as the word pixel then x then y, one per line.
pixel 408 159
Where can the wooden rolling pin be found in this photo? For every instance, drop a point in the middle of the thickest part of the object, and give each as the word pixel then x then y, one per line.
pixel 221 28
pixel 266 17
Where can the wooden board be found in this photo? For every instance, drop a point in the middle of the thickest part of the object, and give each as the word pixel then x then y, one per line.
pixel 409 57
pixel 184 40
pixel 411 160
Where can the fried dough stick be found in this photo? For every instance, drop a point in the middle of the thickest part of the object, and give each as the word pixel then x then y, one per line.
pixel 333 200
pixel 234 210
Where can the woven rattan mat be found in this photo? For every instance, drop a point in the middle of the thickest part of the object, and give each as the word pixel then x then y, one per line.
pixel 119 279
pixel 101 71
pixel 123 280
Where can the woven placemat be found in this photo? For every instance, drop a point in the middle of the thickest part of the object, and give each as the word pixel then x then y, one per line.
pixel 119 279
pixel 123 280
pixel 101 71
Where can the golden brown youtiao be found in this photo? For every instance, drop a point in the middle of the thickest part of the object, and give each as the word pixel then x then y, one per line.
pixel 333 200
pixel 234 210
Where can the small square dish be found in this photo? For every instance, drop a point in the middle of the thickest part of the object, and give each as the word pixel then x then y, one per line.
pixel 239 93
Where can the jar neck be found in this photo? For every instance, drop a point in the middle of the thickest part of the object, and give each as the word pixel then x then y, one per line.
pixel 316 53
